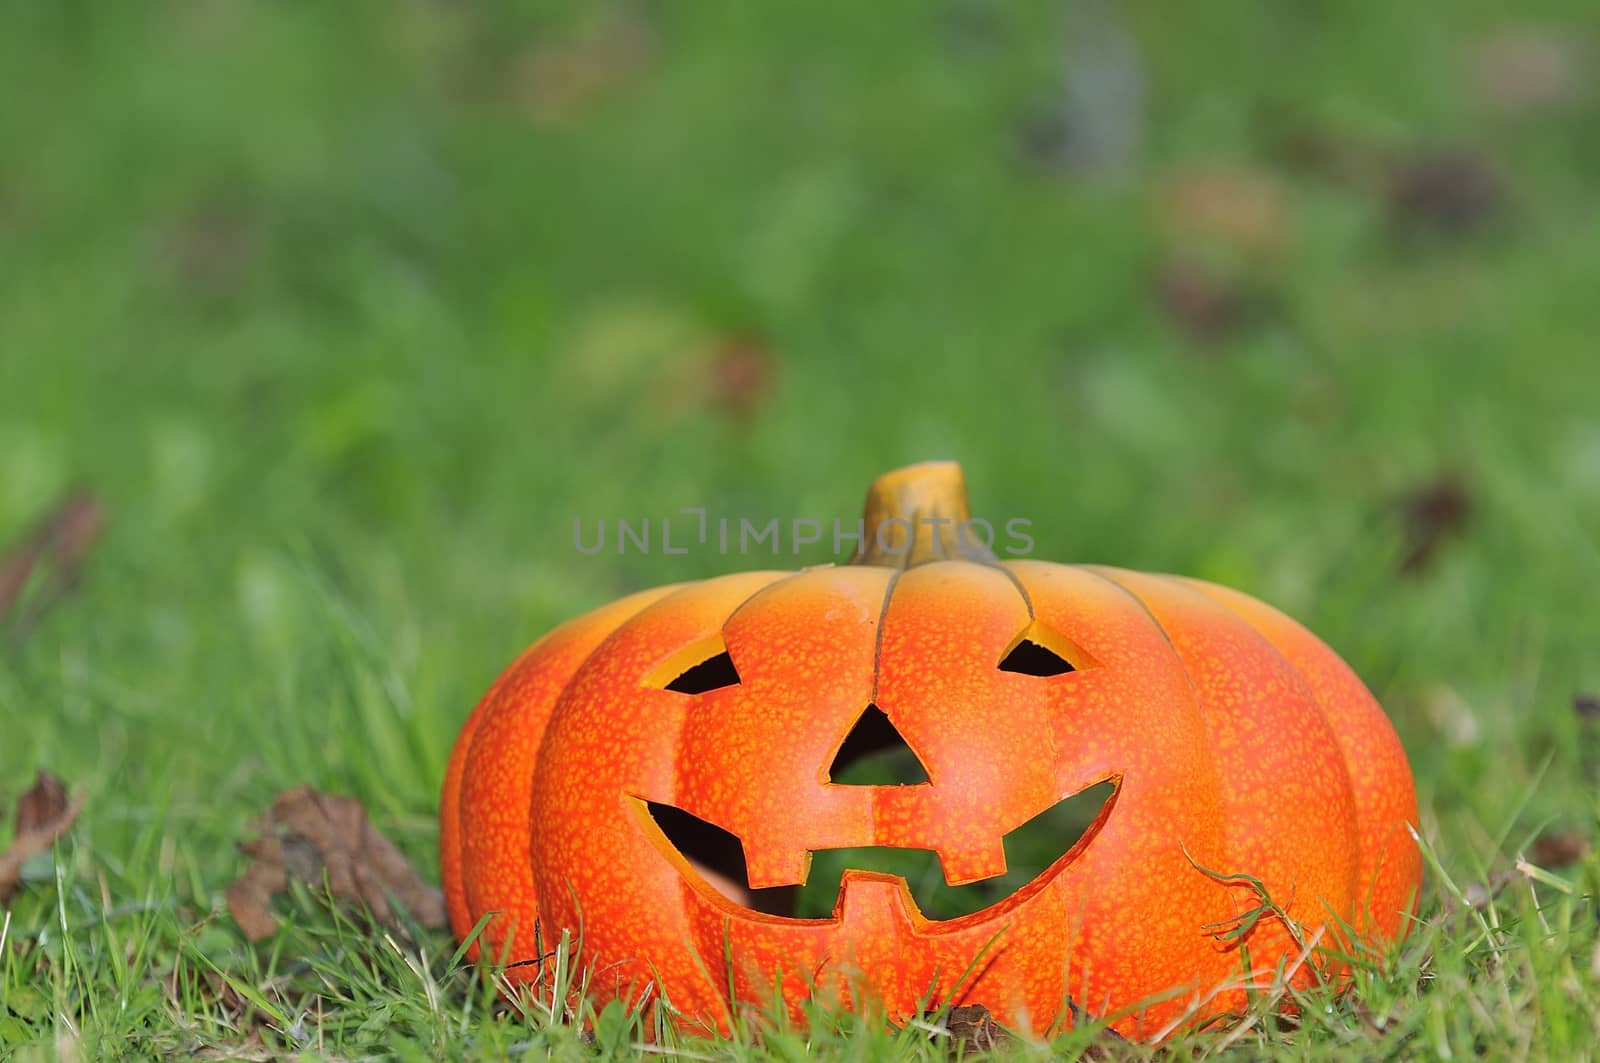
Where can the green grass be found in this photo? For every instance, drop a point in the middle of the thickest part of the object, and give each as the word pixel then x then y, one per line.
pixel 348 311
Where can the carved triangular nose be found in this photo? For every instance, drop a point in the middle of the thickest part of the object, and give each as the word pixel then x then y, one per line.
pixel 874 753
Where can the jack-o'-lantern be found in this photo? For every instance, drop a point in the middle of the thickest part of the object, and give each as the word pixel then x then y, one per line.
pixel 658 774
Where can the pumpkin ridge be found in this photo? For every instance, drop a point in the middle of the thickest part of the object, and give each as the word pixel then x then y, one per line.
pixel 676 740
pixel 652 599
pixel 667 593
pixel 780 576
pixel 1171 591
pixel 1365 885
pixel 877 634
pixel 1204 588
pixel 1110 573
pixel 477 756
pixel 1016 581
pixel 453 829
pixel 683 590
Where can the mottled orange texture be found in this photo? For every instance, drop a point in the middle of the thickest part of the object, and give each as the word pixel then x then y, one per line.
pixel 1237 743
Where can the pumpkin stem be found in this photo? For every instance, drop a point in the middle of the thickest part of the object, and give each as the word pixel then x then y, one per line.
pixel 919 514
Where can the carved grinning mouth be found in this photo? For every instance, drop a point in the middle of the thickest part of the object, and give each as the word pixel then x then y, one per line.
pixel 1034 856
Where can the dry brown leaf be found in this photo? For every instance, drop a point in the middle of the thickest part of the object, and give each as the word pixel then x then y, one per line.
pixel 743 372
pixel 311 837
pixel 43 814
pixel 560 78
pixel 1206 305
pixel 972 1025
pixel 1558 849
pixel 61 542
pixel 1331 155
pixel 1103 1048
pixel 1431 514
pixel 1241 210
pixel 1444 193
pixel 16 567
pixel 730 374
pixel 1587 708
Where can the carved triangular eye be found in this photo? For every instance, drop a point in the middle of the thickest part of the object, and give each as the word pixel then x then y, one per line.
pixel 875 754
pixel 1030 658
pixel 714 673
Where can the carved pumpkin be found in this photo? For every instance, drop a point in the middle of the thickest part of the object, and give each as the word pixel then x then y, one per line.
pixel 1225 738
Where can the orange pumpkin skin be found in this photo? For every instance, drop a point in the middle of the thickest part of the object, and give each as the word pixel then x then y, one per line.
pixel 1237 742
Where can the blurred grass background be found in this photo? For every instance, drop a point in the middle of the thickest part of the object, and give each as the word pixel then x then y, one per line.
pixel 346 312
